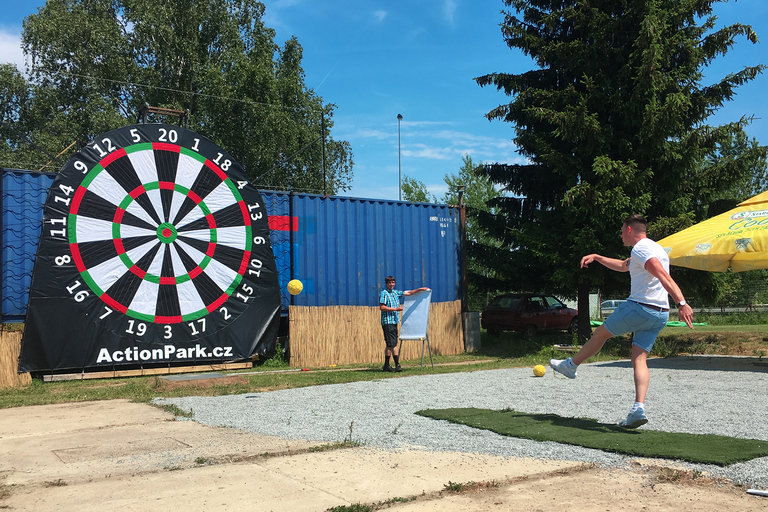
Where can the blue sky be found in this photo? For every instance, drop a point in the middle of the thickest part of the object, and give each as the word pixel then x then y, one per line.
pixel 377 59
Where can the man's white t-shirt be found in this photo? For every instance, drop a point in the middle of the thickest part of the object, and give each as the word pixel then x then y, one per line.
pixel 646 288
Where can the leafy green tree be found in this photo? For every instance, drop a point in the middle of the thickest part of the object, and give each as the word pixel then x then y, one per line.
pixel 479 191
pixel 611 121
pixel 756 179
pixel 94 63
pixel 416 191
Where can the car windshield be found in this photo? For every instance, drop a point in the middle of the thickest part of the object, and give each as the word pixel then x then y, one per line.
pixel 554 303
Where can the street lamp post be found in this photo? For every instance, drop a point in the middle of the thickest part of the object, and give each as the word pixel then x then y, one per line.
pixel 399 179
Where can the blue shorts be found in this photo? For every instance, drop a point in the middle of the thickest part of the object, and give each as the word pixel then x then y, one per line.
pixel 645 323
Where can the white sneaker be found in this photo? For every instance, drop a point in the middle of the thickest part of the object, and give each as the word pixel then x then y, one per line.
pixel 634 419
pixel 566 367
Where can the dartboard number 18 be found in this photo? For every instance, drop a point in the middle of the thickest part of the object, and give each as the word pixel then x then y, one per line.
pixel 154 239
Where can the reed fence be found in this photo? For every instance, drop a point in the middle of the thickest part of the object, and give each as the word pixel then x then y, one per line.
pixel 10 346
pixel 335 335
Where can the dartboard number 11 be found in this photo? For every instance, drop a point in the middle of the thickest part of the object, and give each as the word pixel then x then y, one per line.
pixel 153 226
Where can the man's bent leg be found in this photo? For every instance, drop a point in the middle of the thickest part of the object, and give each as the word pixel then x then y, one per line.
pixel 593 346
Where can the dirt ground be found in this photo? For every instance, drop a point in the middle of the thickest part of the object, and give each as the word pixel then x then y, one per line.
pixel 120 455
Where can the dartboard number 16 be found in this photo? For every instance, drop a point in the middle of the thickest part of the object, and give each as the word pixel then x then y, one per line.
pixel 153 227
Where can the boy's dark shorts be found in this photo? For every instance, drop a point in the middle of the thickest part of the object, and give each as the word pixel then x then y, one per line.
pixel 390 334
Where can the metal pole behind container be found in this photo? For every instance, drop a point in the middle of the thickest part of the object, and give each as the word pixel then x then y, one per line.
pixel 463 247
pixel 290 238
pixel 322 134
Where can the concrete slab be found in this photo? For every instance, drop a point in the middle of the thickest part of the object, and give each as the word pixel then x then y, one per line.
pixel 118 455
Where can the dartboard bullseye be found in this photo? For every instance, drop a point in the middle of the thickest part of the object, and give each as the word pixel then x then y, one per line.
pixel 153 239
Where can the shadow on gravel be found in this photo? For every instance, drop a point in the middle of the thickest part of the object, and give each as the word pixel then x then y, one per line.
pixel 713 363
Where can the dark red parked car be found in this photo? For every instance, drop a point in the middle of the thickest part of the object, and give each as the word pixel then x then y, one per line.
pixel 528 313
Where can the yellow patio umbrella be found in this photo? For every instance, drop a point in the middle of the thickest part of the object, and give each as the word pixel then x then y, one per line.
pixel 737 238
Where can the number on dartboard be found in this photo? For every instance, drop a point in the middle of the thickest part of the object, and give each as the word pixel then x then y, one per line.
pixel 224 165
pixel 168 332
pixel 168 135
pixel 193 328
pixel 78 295
pixel 109 145
pixel 256 264
pixel 225 312
pixel 141 328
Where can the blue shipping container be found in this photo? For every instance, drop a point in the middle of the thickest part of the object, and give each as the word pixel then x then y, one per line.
pixel 23 196
pixel 341 248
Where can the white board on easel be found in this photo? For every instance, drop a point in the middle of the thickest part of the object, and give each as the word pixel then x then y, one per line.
pixel 415 315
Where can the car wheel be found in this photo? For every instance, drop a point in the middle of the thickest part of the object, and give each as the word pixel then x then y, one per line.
pixel 574 327
pixel 529 331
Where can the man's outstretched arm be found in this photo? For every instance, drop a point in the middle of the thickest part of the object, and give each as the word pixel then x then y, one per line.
pixel 611 263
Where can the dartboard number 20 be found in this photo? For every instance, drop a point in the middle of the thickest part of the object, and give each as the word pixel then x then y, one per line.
pixel 156 234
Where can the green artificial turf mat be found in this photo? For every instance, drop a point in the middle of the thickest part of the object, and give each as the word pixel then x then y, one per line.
pixel 700 448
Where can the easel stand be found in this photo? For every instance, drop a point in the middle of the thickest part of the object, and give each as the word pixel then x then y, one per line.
pixel 415 320
pixel 423 341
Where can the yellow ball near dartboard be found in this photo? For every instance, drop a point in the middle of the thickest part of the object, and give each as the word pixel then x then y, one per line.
pixel 539 370
pixel 295 287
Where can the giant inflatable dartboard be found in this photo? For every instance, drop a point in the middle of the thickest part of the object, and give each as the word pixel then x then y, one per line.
pixel 155 249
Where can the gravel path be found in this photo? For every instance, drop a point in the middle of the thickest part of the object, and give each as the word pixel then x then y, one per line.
pixel 715 395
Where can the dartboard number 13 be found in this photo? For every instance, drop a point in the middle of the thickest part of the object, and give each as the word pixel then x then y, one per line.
pixel 153 230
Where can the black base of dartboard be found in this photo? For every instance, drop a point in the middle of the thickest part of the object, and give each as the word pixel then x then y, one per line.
pixel 154 251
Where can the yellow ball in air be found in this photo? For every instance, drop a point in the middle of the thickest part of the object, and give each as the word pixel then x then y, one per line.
pixel 295 287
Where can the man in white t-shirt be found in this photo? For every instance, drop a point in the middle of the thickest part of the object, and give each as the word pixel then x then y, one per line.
pixel 644 314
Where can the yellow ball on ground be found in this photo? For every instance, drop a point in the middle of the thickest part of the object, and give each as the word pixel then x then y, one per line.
pixel 295 287
pixel 539 370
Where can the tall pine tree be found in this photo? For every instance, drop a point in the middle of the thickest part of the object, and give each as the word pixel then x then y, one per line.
pixel 611 122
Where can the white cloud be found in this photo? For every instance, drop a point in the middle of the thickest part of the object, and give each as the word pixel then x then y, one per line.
pixel 449 8
pixel 425 151
pixel 10 49
pixel 380 15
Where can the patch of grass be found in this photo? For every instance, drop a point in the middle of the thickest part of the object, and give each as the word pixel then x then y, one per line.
pixel 400 500
pixel 355 507
pixel 277 360
pixel 335 446
pixel 453 487
pixel 55 483
pixel 699 448
pixel 469 486
pixel 507 350
pixel 175 410
pixel 201 460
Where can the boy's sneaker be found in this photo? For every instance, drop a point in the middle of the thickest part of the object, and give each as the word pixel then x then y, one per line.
pixel 564 366
pixel 634 419
pixel 387 368
pixel 398 368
